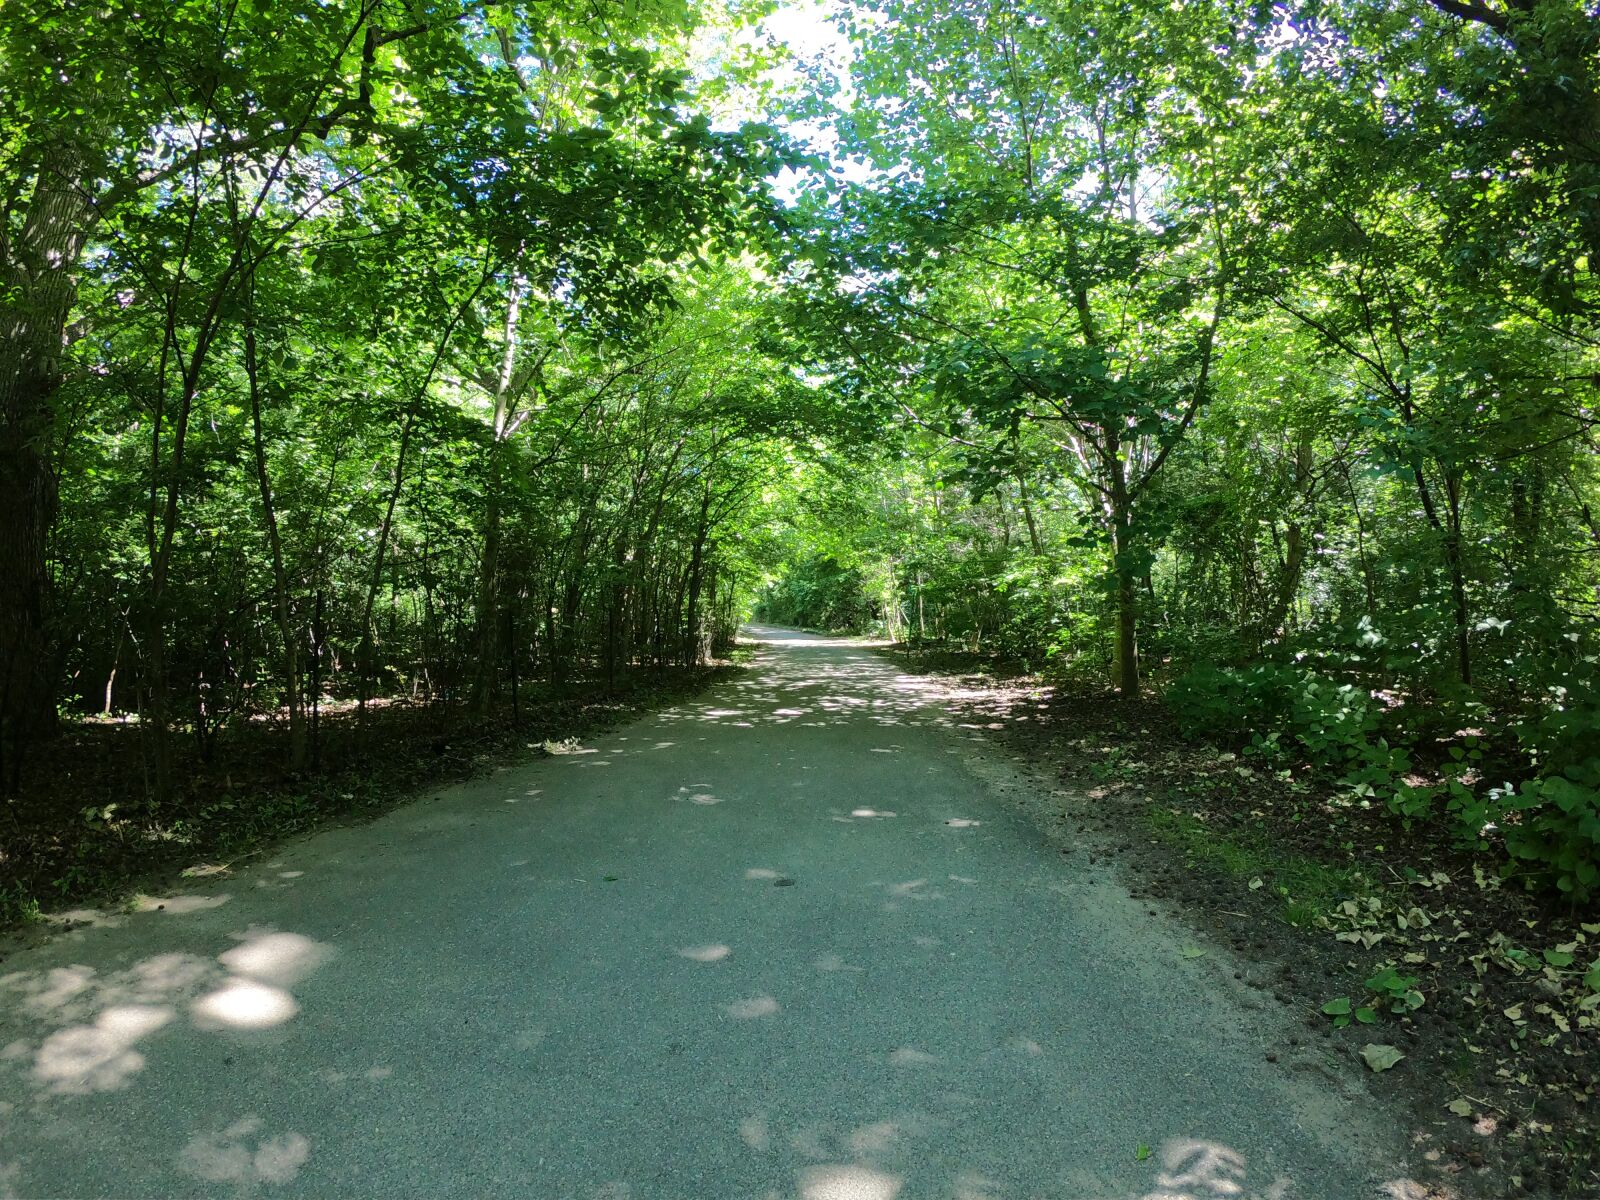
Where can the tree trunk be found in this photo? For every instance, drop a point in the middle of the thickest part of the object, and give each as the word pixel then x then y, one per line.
pixel 1368 582
pixel 37 291
pixel 511 660
pixel 616 609
pixel 1295 547
pixel 319 639
pixel 1458 583
pixel 552 648
pixel 1125 659
pixel 488 617
pixel 281 606
pixel 1026 504
pixel 691 617
pixel 1449 531
pixel 1125 651
pixel 488 625
pixel 364 651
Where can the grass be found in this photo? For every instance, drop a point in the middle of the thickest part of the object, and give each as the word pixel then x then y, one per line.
pixel 1310 889
pixel 17 907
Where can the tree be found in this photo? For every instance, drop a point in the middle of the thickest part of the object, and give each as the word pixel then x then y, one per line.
pixel 1056 240
pixel 157 141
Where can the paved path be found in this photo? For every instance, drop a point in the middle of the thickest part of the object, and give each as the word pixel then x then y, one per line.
pixel 783 941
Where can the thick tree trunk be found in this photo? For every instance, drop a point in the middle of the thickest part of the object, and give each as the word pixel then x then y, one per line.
pixel 37 291
pixel 1125 658
pixel 1294 562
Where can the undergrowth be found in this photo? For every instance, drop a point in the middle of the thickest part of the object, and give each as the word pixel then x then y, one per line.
pixel 1309 889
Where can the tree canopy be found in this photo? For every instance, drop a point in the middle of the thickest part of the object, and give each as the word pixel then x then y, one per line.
pixel 1243 353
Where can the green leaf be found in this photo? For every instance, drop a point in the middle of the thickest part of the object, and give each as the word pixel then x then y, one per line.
pixel 1338 1007
pixel 1142 1152
pixel 1367 1016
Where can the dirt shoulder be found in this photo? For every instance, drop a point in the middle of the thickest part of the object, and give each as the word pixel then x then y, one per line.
pixel 1380 939
pixel 81 835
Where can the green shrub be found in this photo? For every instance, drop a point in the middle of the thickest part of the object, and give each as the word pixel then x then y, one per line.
pixel 1335 725
pixel 818 593
pixel 1229 702
pixel 17 905
pixel 1564 726
pixel 1557 828
pixel 1550 823
pixel 1338 726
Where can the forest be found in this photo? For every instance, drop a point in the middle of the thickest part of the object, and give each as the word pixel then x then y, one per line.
pixel 425 362
pixel 391 389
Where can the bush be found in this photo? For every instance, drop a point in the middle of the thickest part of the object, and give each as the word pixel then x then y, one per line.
pixel 818 593
pixel 1558 828
pixel 1228 702
pixel 1564 726
pixel 1551 823
pixel 1335 725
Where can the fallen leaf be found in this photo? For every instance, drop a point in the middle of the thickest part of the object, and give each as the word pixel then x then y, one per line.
pixel 1193 952
pixel 1461 1108
pixel 1380 1058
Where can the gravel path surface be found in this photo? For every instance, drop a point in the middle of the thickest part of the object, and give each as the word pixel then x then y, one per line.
pixel 789 940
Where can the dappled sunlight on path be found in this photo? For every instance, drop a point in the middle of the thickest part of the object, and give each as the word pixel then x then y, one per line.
pixel 98 1020
pixel 90 1031
pixel 786 945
